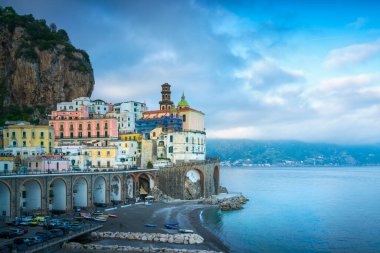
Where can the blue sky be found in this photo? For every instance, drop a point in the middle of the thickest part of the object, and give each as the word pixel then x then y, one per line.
pixel 273 70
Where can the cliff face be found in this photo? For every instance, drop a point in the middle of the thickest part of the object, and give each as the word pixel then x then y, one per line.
pixel 38 66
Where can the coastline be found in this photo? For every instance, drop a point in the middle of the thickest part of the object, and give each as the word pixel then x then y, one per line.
pixel 133 219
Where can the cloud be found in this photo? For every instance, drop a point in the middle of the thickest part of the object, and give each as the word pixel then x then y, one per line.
pixel 264 74
pixel 358 23
pixel 353 54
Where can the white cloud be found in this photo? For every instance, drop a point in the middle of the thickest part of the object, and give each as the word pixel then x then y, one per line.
pixel 341 57
pixel 235 133
pixel 358 23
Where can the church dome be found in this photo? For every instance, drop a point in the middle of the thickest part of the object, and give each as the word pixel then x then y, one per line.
pixel 183 102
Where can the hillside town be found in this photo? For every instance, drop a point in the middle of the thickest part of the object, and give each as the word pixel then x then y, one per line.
pixel 94 135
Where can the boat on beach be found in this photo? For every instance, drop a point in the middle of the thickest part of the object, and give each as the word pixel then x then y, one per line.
pixel 150 225
pixel 186 231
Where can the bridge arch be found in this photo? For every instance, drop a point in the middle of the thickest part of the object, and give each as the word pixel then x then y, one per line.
pixel 115 189
pixel 194 184
pixel 130 184
pixel 99 190
pixel 31 195
pixel 216 177
pixel 58 194
pixel 5 199
pixel 80 192
pixel 145 183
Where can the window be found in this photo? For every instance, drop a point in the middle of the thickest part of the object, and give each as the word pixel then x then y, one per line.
pixel 105 134
pixel 36 165
pixel 97 134
pixel 80 126
pixel 187 148
pixel 98 153
pixel 89 134
pixel 187 139
pixel 71 135
pixel 41 135
pixel 61 127
pixel 61 135
pixel 88 126
pixel 14 144
pixel 170 150
pixel 13 135
pixel 106 126
pixel 108 153
pixel 108 164
pixel 98 163
pixel 24 143
pixel 49 135
pixel 23 134
pixel 184 118
pixel 171 138
pixel 80 134
pixel 42 143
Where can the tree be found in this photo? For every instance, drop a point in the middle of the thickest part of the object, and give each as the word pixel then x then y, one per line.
pixel 149 165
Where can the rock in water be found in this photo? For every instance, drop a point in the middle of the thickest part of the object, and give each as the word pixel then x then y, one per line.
pixel 38 66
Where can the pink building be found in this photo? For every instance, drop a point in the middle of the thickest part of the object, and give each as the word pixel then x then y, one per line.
pixel 95 128
pixel 46 164
pixel 81 114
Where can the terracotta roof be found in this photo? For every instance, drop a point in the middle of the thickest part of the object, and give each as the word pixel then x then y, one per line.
pixel 189 109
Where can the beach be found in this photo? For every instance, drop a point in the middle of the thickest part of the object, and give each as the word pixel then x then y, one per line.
pixel 134 217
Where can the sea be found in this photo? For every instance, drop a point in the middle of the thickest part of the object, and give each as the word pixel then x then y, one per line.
pixel 306 209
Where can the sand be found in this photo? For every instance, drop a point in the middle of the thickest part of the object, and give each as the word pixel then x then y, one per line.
pixel 187 214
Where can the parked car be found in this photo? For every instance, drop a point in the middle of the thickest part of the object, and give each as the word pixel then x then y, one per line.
pixel 19 231
pixel 75 227
pixel 56 232
pixel 33 240
pixel 44 235
pixel 97 212
pixel 8 234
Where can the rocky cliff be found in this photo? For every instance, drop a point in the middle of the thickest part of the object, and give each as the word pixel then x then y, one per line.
pixel 38 67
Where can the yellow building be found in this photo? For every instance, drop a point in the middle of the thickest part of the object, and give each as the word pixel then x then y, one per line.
pixel 130 137
pixel 100 157
pixel 26 139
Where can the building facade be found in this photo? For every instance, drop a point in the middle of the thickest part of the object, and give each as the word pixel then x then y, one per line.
pixel 26 139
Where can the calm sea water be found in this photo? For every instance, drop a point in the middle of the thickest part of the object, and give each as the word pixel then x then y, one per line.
pixel 301 210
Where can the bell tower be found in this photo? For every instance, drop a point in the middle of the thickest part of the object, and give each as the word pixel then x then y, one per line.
pixel 166 103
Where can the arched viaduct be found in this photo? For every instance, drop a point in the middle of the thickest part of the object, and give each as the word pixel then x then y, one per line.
pixel 21 194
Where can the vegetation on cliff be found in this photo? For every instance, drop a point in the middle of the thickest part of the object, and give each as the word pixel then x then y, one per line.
pixel 39 67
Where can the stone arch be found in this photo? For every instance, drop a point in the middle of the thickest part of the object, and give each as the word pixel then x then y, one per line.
pixel 31 195
pixel 216 177
pixel 58 194
pixel 80 192
pixel 130 186
pixel 115 188
pixel 99 190
pixel 145 182
pixel 194 184
pixel 5 199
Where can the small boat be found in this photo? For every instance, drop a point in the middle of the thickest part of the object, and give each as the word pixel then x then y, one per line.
pixel 171 225
pixel 112 216
pixel 187 231
pixel 150 225
pixel 100 219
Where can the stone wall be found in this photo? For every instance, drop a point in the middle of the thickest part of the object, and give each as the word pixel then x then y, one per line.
pixel 171 180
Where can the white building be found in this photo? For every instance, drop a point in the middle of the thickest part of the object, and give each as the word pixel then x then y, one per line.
pixel 127 113
pixel 126 154
pixel 99 107
pixel 74 105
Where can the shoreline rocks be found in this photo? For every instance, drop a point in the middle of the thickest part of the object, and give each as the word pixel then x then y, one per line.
pixel 151 237
pixel 234 202
pixel 95 247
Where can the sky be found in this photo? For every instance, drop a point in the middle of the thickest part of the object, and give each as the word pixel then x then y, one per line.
pixel 262 70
